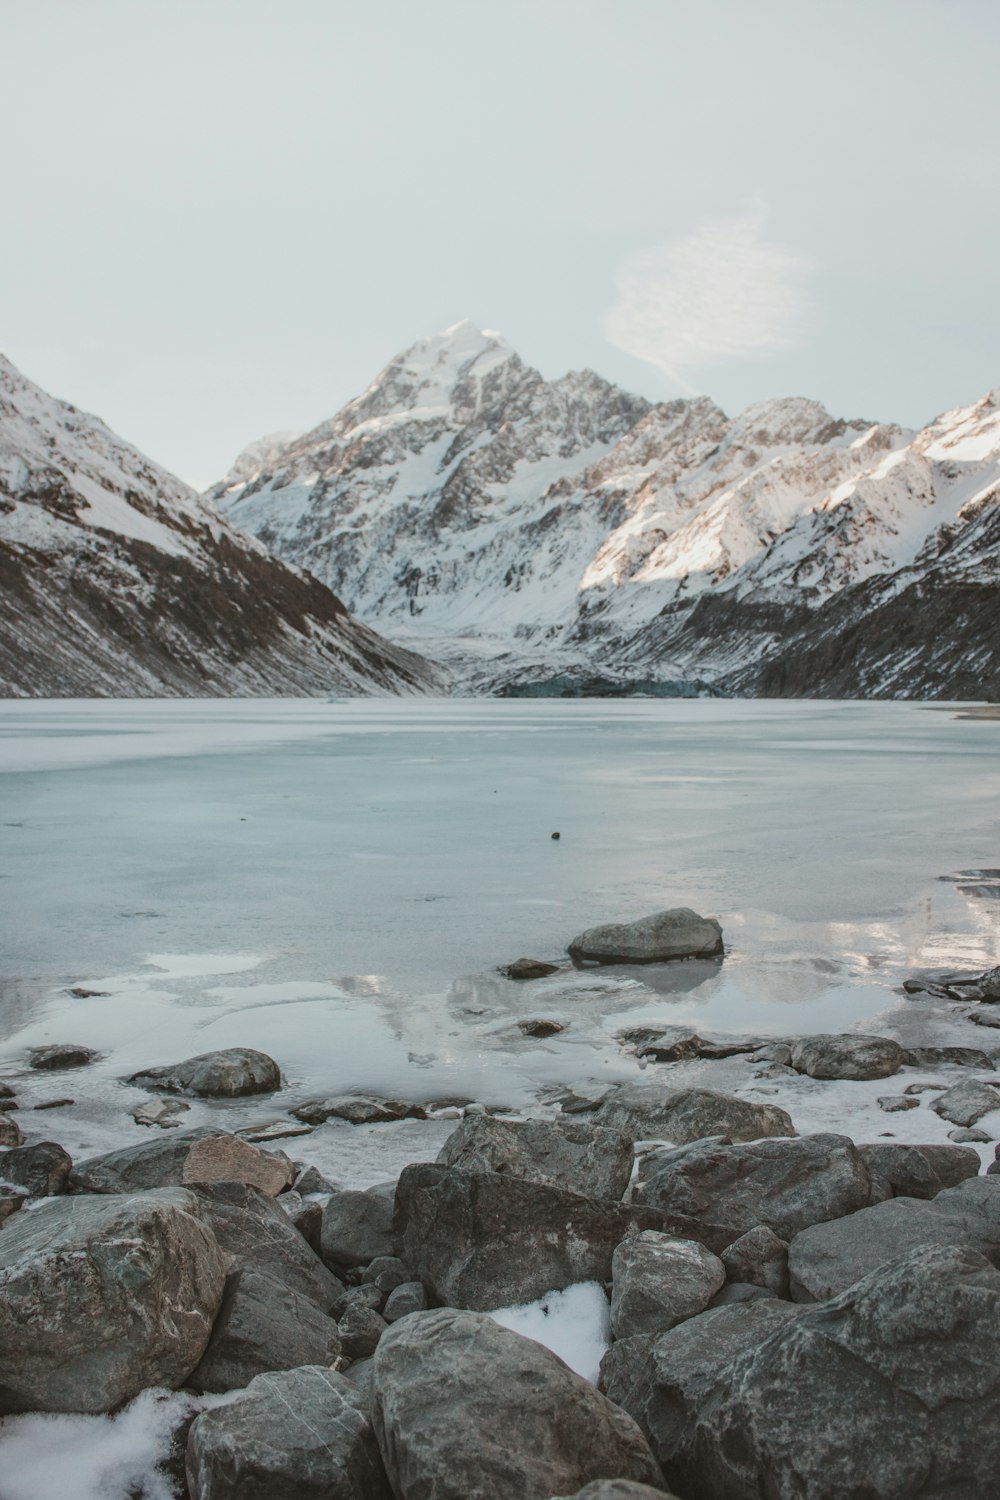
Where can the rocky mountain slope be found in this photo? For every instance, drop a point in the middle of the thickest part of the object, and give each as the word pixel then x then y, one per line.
pixel 117 579
pixel 535 530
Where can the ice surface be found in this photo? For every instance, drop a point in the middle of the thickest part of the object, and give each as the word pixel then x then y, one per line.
pixel 574 1323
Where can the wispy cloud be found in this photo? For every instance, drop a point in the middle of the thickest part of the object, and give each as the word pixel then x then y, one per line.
pixel 724 292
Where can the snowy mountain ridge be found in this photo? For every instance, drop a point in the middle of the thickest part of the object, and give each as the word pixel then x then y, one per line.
pixel 526 525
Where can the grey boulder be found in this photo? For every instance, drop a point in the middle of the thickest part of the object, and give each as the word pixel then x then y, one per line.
pixel 655 1111
pixel 897 1170
pixel 40 1171
pixel 784 1184
pixel 293 1435
pixel 405 1299
pixel 466 1410
pixel 888 1392
pixel 658 1281
pixel 572 1154
pixel 196 1156
pixel 847 1056
pixel 361 1328
pixel 357 1225
pixel 616 1489
pixel 825 1260
pixel 358 1109
pixel 758 1258
pixel 60 1055
pixel 965 1103
pixel 100 1298
pixel 256 1235
pixel 262 1326
pixel 484 1240
pixel 659 938
pixel 227 1074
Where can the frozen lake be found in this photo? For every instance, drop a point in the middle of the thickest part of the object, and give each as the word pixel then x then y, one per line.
pixel 336 883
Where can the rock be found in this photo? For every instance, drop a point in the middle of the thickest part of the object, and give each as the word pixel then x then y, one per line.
pixel 53 1104
pixel 965 1103
pixel 466 1410
pixel 162 1112
pixel 387 1272
pixel 663 1382
pixel 896 1103
pixel 529 968
pixel 41 1170
pixel 666 935
pixel 758 1258
pixel 358 1109
pixel 541 1028
pixel 294 1433
pixel 571 1154
pixel 311 1180
pixel 274 1130
pixel 10 1132
pixel 361 1328
pixel 924 1088
pixel 663 1043
pixel 847 1056
pixel 617 1489
pixel 985 1018
pixel 485 1240
pixel 736 1292
pixel 262 1326
pixel 257 1236
pixel 969 1133
pixel 785 1184
pixel 201 1155
pixel 902 1171
pixel 358 1226
pixel 228 1074
pixel 825 1260
pixel 406 1299
pixel 654 1111
pixel 10 1201
pixel 934 1057
pixel 888 1392
pixel 307 1216
pixel 367 1295
pixel 101 1298
pixel 657 1281
pixel 60 1055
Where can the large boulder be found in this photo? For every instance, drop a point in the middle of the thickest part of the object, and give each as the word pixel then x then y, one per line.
pixel 663 1381
pixel 847 1056
pixel 467 1410
pixel 890 1391
pixel 758 1258
pixel 227 1074
pixel 825 1260
pixel 965 1103
pixel 656 939
pixel 262 1326
pixel 655 1111
pixel 898 1170
pixel 297 1433
pixel 785 1184
pixel 571 1154
pixel 256 1235
pixel 484 1240
pixel 197 1156
pixel 657 1281
pixel 100 1298
pixel 357 1225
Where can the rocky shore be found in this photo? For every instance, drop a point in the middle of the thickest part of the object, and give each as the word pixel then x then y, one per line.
pixel 785 1313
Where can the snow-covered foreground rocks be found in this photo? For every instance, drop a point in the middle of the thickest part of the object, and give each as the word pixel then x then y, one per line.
pixel 466 1410
pixel 101 1297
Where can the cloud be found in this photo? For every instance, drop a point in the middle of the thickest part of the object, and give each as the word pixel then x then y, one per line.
pixel 721 293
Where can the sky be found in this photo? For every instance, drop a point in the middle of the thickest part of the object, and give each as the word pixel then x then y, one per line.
pixel 221 218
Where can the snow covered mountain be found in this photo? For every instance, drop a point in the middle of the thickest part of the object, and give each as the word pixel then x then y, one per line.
pixel 117 579
pixel 532 529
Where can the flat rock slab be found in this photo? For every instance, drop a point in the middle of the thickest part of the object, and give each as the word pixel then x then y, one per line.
pixel 783 1184
pixel 298 1433
pixel 966 1103
pixel 936 1057
pixel 230 1073
pixel 528 968
pixel 574 1154
pixel 656 939
pixel 483 1240
pixel 827 1259
pixel 60 1055
pixel 889 1392
pixel 100 1298
pixel 848 1056
pixel 196 1156
pixel 263 1326
pixel 655 1111
pixel 466 1410
pixel 358 1109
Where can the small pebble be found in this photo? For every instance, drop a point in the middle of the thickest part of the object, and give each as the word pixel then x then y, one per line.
pixel 556 835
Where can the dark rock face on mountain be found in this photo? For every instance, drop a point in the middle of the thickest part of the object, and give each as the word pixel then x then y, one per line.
pixel 587 537
pixel 118 580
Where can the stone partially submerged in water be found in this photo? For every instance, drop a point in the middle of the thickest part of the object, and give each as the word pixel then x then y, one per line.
pixel 655 1111
pixel 229 1073
pixel 659 938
